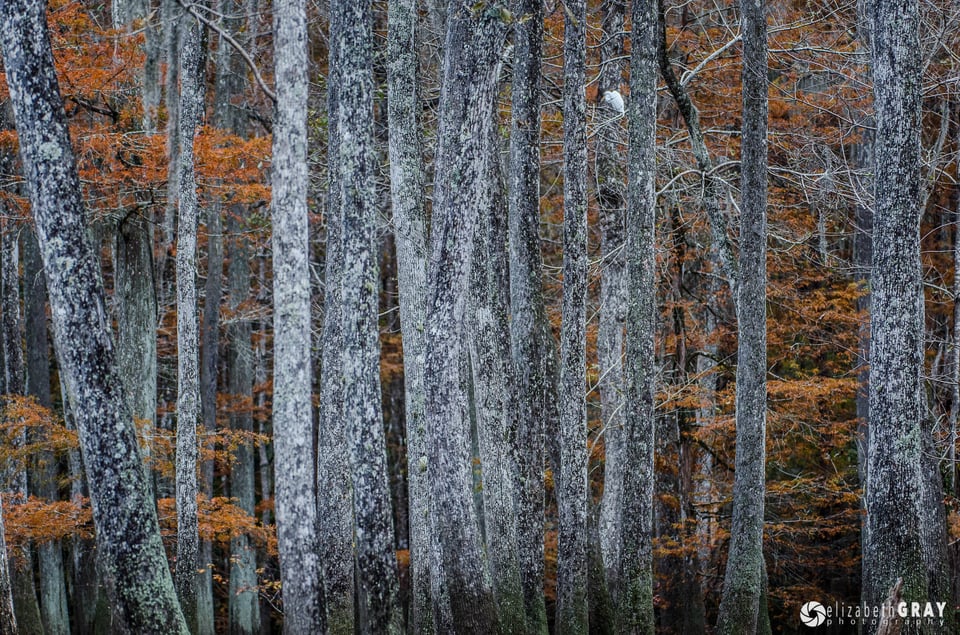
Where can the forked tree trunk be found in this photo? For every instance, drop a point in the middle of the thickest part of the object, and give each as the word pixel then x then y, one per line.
pixel 472 47
pixel 128 535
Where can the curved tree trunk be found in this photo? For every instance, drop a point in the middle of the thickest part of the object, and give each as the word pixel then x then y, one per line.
pixel 128 535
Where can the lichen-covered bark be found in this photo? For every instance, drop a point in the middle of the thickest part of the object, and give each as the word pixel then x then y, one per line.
pixel 333 460
pixel 8 620
pixel 893 546
pixel 635 584
pixel 572 613
pixel 362 414
pixel 296 491
pixel 611 198
pixel 128 535
pixel 493 385
pixel 188 336
pixel 745 577
pixel 528 327
pixel 410 232
pixel 471 50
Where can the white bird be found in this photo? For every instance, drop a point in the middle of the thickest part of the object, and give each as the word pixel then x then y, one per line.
pixel 614 99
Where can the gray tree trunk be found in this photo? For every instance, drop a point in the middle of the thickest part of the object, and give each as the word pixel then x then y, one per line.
pixel 333 460
pixel 53 592
pixel 635 583
pixel 492 372
pixel 471 52
pixel 296 492
pixel 410 231
pixel 128 535
pixel 893 545
pixel 188 337
pixel 611 199
pixel 740 604
pixel 362 413
pixel 572 611
pixel 528 325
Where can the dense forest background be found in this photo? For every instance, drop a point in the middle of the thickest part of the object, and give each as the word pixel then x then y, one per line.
pixel 441 352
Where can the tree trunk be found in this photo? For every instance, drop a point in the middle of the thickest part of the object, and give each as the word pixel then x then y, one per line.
pixel 406 183
pixel 296 497
pixel 493 385
pixel 745 575
pixel 467 97
pixel 893 548
pixel 635 585
pixel 528 325
pixel 610 195
pixel 362 413
pixel 8 620
pixel 333 460
pixel 188 341
pixel 572 612
pixel 128 535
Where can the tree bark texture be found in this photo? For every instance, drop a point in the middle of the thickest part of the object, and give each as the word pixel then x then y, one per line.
pixel 528 325
pixel 635 586
pixel 410 231
pixel 745 575
pixel 128 535
pixel 362 413
pixel 471 51
pixel 492 372
pixel 572 612
pixel 8 619
pixel 296 493
pixel 188 336
pixel 893 548
pixel 611 196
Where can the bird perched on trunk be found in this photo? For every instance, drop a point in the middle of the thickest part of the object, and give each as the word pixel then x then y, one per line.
pixel 614 99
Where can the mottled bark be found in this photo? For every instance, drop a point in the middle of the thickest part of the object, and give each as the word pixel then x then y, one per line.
pixel 188 336
pixel 128 535
pixel 410 231
pixel 611 198
pixel 333 460
pixel 745 576
pixel 528 325
pixel 296 492
pixel 635 584
pixel 362 413
pixel 894 495
pixel 472 49
pixel 493 385
pixel 572 613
